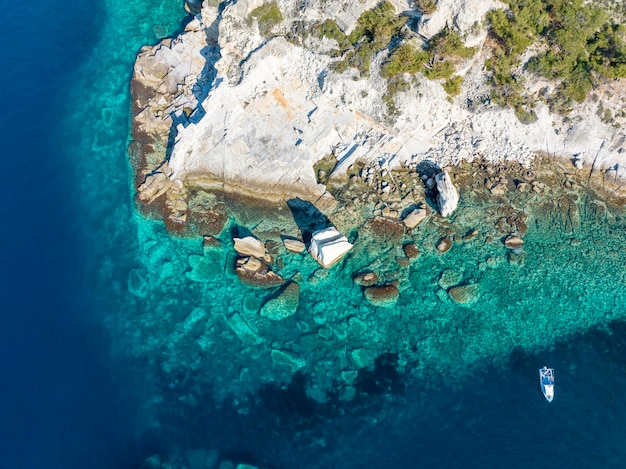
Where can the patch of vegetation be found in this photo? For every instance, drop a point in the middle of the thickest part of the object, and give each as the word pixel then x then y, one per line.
pixel 580 48
pixel 405 59
pixel 448 43
pixel 452 86
pixel 331 30
pixel 437 62
pixel 373 32
pixel 427 7
pixel 267 16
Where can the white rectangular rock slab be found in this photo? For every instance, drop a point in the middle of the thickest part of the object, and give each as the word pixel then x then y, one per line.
pixel 448 197
pixel 328 246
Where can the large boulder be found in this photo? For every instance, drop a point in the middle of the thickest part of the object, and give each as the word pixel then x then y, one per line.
pixel 283 305
pixel 252 271
pixel 447 197
pixel 328 246
pixel 250 246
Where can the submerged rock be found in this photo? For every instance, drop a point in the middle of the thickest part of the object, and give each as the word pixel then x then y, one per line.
pixel 284 305
pixel 385 296
pixel 447 197
pixel 328 246
pixel 465 294
pixel 386 230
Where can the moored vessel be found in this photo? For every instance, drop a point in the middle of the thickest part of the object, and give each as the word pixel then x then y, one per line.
pixel 546 378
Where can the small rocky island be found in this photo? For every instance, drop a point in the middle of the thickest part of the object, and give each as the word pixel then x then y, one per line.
pixel 411 148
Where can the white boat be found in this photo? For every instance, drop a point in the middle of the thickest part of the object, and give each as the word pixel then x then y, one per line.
pixel 546 378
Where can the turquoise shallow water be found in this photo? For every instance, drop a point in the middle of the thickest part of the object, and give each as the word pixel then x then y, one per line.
pixel 185 376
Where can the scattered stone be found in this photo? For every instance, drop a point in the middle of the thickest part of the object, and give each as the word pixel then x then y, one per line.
pixel 366 279
pixel 209 242
pixel 280 357
pixel 447 197
pixel 243 330
pixel 328 246
pixel 347 394
pixel 349 376
pixel 465 294
pixel 513 242
pixel 283 305
pixel 577 162
pixel 385 296
pixel 498 189
pixel 471 234
pixel 363 357
pixel 250 246
pixel 414 218
pixel 521 226
pixel 390 212
pixel 403 262
pixel 444 244
pixel 252 271
pixel 516 258
pixel 325 333
pixel 294 245
pixel 411 250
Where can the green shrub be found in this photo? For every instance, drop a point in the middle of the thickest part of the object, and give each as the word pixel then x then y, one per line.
pixel 427 7
pixel 267 16
pixel 405 59
pixel 438 70
pixel 331 30
pixel 452 86
pixel 373 32
pixel 581 48
pixel 448 43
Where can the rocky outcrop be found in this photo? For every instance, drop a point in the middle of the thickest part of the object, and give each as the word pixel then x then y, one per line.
pixel 229 107
pixel 328 246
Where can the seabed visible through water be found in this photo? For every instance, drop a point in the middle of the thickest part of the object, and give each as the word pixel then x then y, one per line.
pixel 179 311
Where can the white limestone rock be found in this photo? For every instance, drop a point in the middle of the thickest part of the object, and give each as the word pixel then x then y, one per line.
pixel 447 197
pixel 328 246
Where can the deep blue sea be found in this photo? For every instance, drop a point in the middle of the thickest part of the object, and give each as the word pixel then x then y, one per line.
pixel 73 396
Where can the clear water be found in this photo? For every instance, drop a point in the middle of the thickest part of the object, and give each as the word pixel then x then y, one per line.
pixel 118 344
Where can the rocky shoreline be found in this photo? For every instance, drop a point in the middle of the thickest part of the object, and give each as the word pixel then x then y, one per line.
pixel 222 110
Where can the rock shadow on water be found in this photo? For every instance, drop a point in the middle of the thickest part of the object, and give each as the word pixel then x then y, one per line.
pixel 308 217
